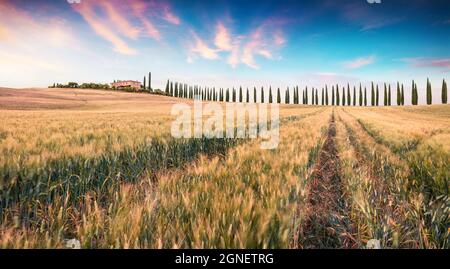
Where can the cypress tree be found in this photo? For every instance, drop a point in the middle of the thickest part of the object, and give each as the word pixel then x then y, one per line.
pixel 171 89
pixel 326 95
pixel 262 95
pixel 389 95
pixel 248 96
pixel 323 97
pixel 429 94
pixel 296 95
pixel 360 95
pixel 332 95
pixel 385 95
pixel 402 100
pixel 372 96
pixel 349 97
pixel 413 94
pixel 444 92
pixel 240 94
pixel 398 94
pixel 365 96
pixel 145 83
pixel 254 94
pixel 278 96
pixel 343 96
pixel 306 95
pixel 354 95
pixel 286 96
pixel 303 100
pixel 270 95
pixel 167 87
pixel 227 95
pixel 317 97
pixel 337 95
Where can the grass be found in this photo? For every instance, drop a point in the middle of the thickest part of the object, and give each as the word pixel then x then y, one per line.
pixel 102 167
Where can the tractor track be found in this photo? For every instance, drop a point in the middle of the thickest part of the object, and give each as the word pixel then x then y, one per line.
pixel 327 224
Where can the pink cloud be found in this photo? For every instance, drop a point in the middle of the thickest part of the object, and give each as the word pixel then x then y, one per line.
pixel 279 38
pixel 139 9
pixel 429 62
pixel 169 16
pixel 260 44
pixel 359 62
pixel 86 10
pixel 223 39
pixel 200 48
pixel 118 20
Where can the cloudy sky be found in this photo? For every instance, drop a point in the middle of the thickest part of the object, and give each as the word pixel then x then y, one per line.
pixel 225 43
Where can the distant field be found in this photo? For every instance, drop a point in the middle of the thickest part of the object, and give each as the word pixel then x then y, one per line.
pixel 102 167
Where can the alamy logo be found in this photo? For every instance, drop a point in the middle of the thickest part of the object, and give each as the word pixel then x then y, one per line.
pixel 374 1
pixel 232 120
pixel 74 1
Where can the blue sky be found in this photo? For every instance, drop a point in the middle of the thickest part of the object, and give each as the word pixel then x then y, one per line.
pixel 225 43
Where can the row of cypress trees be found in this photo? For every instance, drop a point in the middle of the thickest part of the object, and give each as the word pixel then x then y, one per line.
pixel 339 96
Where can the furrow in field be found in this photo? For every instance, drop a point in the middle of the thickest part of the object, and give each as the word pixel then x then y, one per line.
pixel 328 225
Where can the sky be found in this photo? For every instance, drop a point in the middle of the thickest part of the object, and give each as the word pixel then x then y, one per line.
pixel 225 43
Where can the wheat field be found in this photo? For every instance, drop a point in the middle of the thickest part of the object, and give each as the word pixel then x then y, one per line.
pixel 101 167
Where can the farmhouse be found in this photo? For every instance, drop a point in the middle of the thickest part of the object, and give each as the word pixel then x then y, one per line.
pixel 126 84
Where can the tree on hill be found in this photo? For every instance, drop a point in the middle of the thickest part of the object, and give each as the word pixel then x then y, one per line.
pixel 372 96
pixel 270 95
pixel 306 96
pixel 167 87
pixel 444 92
pixel 414 96
pixel 323 97
pixel 360 95
pixel 402 99
pixel 354 95
pixel 326 95
pixel 349 96
pixel 286 96
pixel 332 96
pixel 262 95
pixel 429 94
pixel 365 96
pixel 385 95
pixel 278 96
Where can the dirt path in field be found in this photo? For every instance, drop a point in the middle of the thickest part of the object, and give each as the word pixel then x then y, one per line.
pixel 327 225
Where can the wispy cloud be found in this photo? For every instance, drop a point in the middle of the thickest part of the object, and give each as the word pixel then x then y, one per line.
pixel 261 41
pixel 102 28
pixel 169 16
pixel 443 63
pixel 116 21
pixel 222 39
pixel 200 48
pixel 359 62
pixel 363 15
